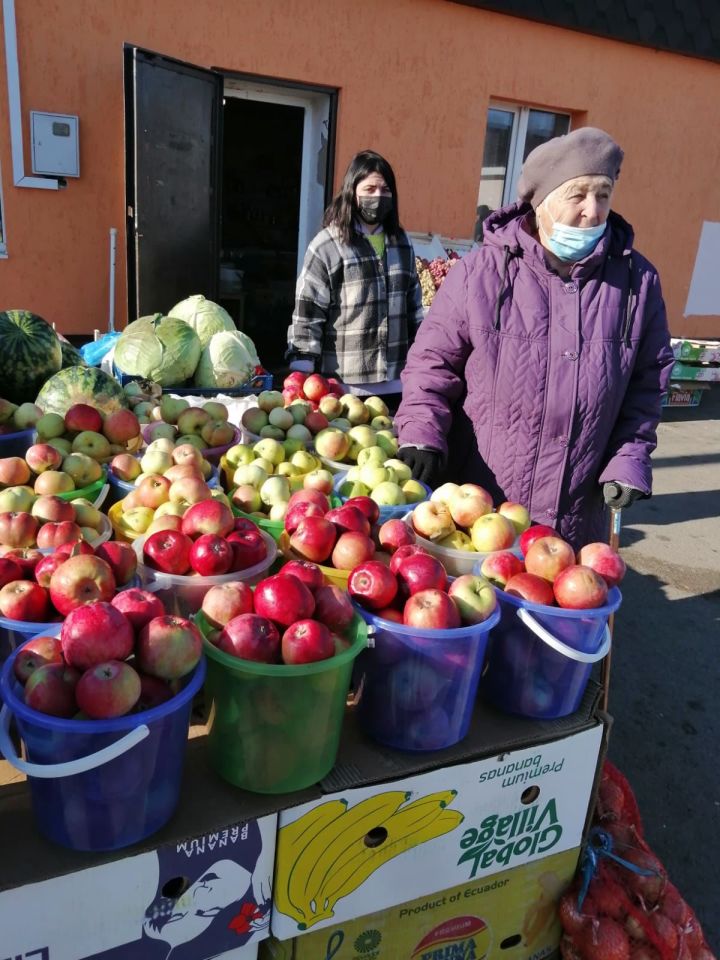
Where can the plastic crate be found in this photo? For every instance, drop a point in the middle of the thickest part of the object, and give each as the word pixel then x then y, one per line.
pixel 262 380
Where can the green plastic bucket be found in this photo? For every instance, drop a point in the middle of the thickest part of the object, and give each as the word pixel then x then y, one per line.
pixel 275 728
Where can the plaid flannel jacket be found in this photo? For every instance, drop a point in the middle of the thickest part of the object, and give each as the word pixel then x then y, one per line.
pixel 355 313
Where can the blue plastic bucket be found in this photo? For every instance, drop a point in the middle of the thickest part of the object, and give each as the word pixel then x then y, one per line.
pixel 386 513
pixel 13 633
pixel 540 658
pixel 100 784
pixel 417 688
pixel 16 444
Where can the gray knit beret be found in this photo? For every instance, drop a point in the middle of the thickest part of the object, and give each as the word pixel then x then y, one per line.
pixel 582 153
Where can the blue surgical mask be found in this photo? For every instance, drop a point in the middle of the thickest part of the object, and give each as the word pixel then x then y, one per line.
pixel 573 243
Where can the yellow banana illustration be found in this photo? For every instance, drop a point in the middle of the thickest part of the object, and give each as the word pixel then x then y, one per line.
pixel 305 877
pixel 294 837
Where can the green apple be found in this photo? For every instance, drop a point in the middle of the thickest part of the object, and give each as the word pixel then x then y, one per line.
pixel 143 409
pixel 7 409
pixel 292 445
pixel 272 432
pixel 26 416
pixel 304 461
pixel 215 410
pixel 250 473
pixel 376 406
pixel 458 540
pixel 388 494
pixel 172 407
pixel 280 417
pixel 356 411
pixel 86 515
pixel 287 469
pixel 275 490
pixel 156 461
pixel 270 400
pixel 50 426
pixel 373 476
pixel 381 423
pixel 192 420
pixel 247 498
pixel 239 454
pixel 194 438
pixel 254 419
pixel 353 474
pixel 206 468
pixel 267 466
pixel 92 444
pixel 363 436
pixel 371 457
pixel 83 469
pixel 18 499
pixel 414 491
pixel 218 494
pixel 388 442
pixel 298 431
pixel 341 423
pixel 299 410
pixel 161 445
pixel 278 511
pixel 137 519
pixel 353 488
pixel 270 449
pixel 171 509
pixel 160 430
pixel 401 470
pixel 62 444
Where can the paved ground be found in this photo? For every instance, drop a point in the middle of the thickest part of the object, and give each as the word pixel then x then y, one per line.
pixel 665 677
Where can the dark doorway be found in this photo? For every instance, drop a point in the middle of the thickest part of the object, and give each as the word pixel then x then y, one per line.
pixel 261 180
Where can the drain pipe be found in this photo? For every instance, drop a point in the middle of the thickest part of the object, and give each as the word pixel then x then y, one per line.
pixel 111 310
pixel 15 110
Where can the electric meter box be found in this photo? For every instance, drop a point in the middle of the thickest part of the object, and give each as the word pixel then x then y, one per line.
pixel 55 144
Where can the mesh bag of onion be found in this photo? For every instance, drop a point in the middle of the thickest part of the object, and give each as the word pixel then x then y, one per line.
pixel 622 914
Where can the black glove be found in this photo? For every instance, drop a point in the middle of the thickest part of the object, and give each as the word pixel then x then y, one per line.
pixel 620 495
pixel 425 464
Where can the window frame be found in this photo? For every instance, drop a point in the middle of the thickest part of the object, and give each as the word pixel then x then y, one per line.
pixel 3 223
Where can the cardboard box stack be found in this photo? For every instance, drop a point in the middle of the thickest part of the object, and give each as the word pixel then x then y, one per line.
pixel 697 364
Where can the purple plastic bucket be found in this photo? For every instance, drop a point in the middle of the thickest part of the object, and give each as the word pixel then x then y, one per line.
pixel 100 784
pixel 417 688
pixel 540 658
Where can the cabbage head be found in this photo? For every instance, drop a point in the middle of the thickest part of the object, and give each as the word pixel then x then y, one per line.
pixel 204 316
pixel 158 348
pixel 225 362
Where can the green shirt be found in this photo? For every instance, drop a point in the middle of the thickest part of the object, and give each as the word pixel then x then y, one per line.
pixel 377 241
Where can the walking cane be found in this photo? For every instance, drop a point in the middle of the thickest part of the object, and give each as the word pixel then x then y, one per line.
pixel 614 540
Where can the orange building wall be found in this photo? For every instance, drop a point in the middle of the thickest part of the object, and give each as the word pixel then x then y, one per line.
pixel 415 80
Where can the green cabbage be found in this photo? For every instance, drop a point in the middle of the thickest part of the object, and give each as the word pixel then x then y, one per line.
pixel 204 316
pixel 163 349
pixel 225 361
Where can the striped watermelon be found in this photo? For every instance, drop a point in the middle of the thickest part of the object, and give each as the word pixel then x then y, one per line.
pixel 71 356
pixel 30 352
pixel 81 385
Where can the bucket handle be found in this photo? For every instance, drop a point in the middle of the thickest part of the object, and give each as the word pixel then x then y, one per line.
pixel 51 771
pixel 537 628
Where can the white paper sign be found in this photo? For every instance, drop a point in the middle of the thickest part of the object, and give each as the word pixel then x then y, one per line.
pixel 704 295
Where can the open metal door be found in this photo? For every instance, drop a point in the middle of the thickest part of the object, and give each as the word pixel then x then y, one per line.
pixel 173 116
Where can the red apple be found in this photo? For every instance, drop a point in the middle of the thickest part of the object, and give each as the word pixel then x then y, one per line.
pixel 315 387
pixel 208 516
pixel 474 597
pixel 41 457
pixel 536 532
pixel 250 637
pixel 47 567
pixel 283 599
pixel 433 520
pixel 36 653
pixel 211 556
pixel 601 558
pixel 289 394
pixel 14 472
pixel 49 507
pixel 121 426
pixel 153 692
pixel 431 610
pixel 125 467
pixel 373 585
pixel 76 548
pixel 548 556
pixel 294 380
pixel 310 573
pixel 225 601
pixel 18 529
pixel 10 570
pixel 51 689
pixel 320 480
pixel 335 387
pixel 367 505
pixel 349 519
pixel 311 496
pixel 26 558
pixel 81 416
pixel 109 689
pixel 81 580
pixel 51 535
pixel 307 641
pixel 314 539
pixel 94 633
pixel 316 421
pixel 169 647
pixel 139 606
pixel 420 572
pixel 333 608
pixel 394 534
pixel 168 551
pixel 24 600
pixel 351 550
pixel 500 567
pixel 243 523
pixel 390 613
pixel 121 558
pixel 532 588
pixel 298 511
pixel 409 550
pixel 152 491
pixel 580 588
pixel 468 503
pixel 248 547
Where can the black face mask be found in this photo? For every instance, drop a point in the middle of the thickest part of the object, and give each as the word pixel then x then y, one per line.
pixel 374 209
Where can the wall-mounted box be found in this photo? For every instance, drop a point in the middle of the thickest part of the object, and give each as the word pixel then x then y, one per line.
pixel 55 144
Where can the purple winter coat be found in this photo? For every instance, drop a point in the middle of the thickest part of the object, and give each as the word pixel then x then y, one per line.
pixel 539 388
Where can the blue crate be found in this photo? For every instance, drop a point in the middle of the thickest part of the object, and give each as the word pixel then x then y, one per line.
pixel 261 381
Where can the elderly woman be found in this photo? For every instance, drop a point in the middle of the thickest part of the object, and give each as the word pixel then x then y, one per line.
pixel 539 370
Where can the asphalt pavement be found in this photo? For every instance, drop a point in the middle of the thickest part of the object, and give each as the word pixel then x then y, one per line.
pixel 665 672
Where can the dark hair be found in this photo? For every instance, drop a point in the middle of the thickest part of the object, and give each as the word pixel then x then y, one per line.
pixel 343 209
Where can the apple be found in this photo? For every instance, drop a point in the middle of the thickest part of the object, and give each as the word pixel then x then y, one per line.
pixel 580 588
pixel 315 387
pixel 432 520
pixel 431 610
pixel 50 426
pixel 125 467
pixel 109 689
pixel 240 454
pixel 389 443
pixel 474 597
pixel 51 689
pixel 159 430
pixel 358 415
pixel 216 410
pixel 401 470
pixel 172 407
pixel 548 556
pixel 330 406
pixel 373 585
pixel 17 499
pixel 492 532
pixel 53 481
pixel 10 570
pixel 444 493
pixel 218 433
pixel 37 653
pixel 250 637
pixel 156 462
pixel 418 572
pixel 211 555
pixel 319 480
pixel 51 535
pixel 367 505
pixel 533 533
pixel 192 420
pixel 458 540
pixel 168 551
pixel 83 467
pixel 468 503
pixel 407 550
pixel 284 599
pixel 95 632
pixel 24 600
pixel 333 608
pixel 136 520
pixel 26 558
pixel 314 538
pixel 169 647
pixel 225 601
pixel 517 515
pixel 335 386
pixel 246 498
pixel 121 558
pixel 394 534
pixel 414 491
pixel 249 549
pixel 308 573
pixel 189 490
pixel 532 588
pixel 381 423
pixel 340 423
pixel 186 453
pixel 208 516
pixel 18 529
pixel 349 518
pixel 138 606
pixel 295 379
pixel 388 494
pixel 121 426
pixel 390 613
pixel 307 641
pixel 49 508
pixel 270 399
pixel 605 561
pixel 87 515
pixel 270 449
pixel 271 432
pixel 300 433
pixel 39 457
pixel 254 419
pixel 501 567
pixel 278 511
pixel 332 443
pixel 80 580
pixel 82 417
pixel 161 444
pixel 91 444
pixel 275 490
pixel 352 548
pixel 153 692
pixel 165 522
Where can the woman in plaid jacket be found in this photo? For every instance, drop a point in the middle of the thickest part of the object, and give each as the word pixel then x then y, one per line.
pixel 358 302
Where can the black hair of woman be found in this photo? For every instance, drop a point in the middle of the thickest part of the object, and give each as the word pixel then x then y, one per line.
pixel 343 211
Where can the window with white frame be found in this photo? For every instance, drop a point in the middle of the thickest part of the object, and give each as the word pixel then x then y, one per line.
pixel 511 133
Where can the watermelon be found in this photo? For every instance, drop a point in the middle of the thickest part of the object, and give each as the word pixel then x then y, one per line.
pixel 71 356
pixel 30 352
pixel 81 385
